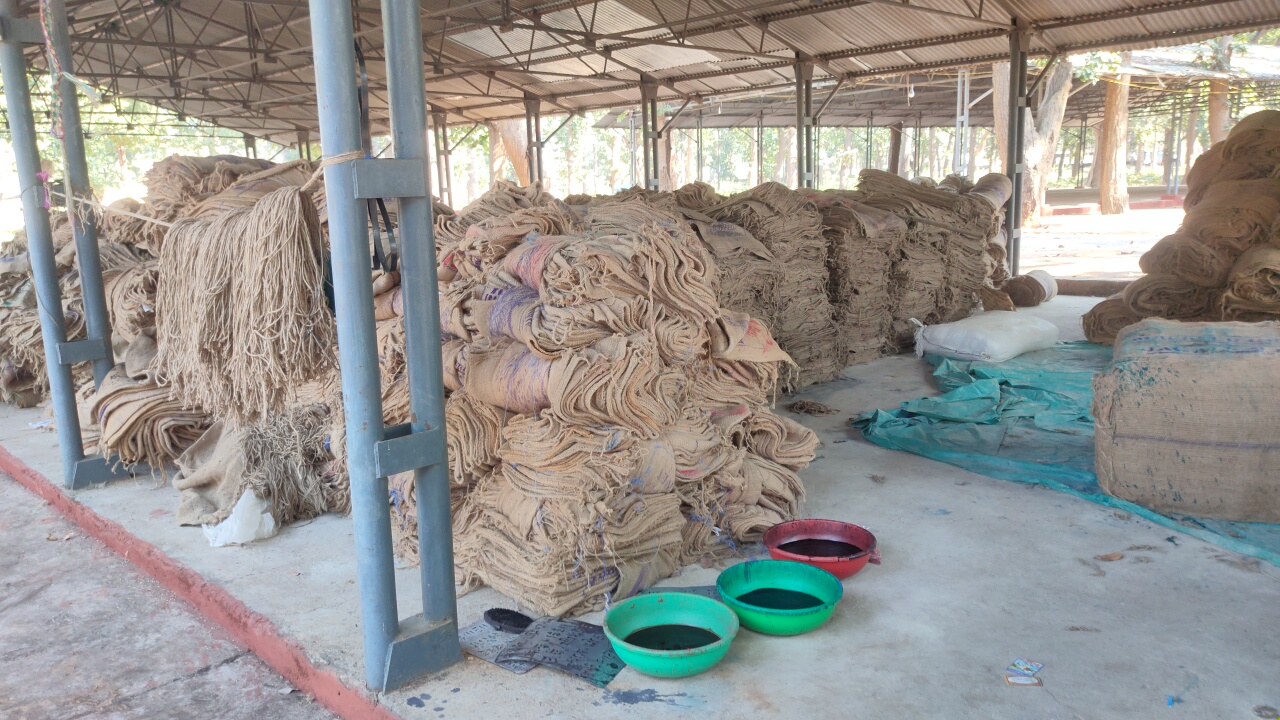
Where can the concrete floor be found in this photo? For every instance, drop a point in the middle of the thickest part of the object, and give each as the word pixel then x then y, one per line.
pixel 84 634
pixel 977 572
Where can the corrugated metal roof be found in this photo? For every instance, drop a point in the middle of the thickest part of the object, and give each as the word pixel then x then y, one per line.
pixel 583 54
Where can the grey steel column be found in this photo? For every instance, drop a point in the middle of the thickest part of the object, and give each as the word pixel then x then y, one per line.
pixel 532 136
pixel 444 160
pixel 959 156
pixel 631 148
pixel 804 124
pixel 759 149
pixel 22 131
pixel 335 63
pixel 870 143
pixel 436 635
pixel 83 221
pixel 649 131
pixel 699 146
pixel 1019 43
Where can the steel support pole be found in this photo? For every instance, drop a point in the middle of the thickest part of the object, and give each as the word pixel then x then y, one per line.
pixel 699 146
pixel 83 220
pixel 804 124
pixel 631 148
pixel 760 149
pixel 22 133
pixel 960 154
pixel 444 159
pixel 336 95
pixel 431 642
pixel 870 145
pixel 533 136
pixel 650 132
pixel 1019 44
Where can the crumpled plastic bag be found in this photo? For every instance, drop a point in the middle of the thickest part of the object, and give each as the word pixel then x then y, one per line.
pixel 249 520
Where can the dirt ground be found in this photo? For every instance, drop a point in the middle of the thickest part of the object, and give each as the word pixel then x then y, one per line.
pixel 1099 246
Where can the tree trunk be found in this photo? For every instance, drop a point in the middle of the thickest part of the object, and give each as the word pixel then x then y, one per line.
pixel 1167 157
pixel 971 166
pixel 895 148
pixel 497 157
pixel 846 159
pixel 1142 158
pixel 1219 116
pixel 690 159
pixel 1192 131
pixel 473 179
pixel 1040 135
pixel 665 181
pixel 515 145
pixel 1220 92
pixel 933 152
pixel 1077 167
pixel 1113 195
pixel 782 167
pixel 618 159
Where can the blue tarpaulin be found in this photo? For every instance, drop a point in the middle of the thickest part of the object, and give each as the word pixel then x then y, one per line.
pixel 1028 420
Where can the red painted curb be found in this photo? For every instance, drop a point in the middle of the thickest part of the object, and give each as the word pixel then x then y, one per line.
pixel 252 629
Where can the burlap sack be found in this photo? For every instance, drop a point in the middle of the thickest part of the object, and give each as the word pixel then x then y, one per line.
pixel 210 476
pixel 1186 419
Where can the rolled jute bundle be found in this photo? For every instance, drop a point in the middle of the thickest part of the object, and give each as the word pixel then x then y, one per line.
pixel 1211 168
pixel 1255 139
pixel 1189 258
pixel 697 196
pixel 779 439
pixel 1253 285
pixel 1167 296
pixel 241 316
pixel 141 423
pixel 1032 289
pixel 1235 216
pixel 616 381
pixel 487 242
pixel 503 198
pixel 131 300
pixel 1106 319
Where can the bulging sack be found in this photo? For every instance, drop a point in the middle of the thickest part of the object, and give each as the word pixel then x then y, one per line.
pixel 995 336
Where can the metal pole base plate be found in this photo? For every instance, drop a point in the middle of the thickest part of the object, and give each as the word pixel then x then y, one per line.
pixel 420 649
pixel 97 470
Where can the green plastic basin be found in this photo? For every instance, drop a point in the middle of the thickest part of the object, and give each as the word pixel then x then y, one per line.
pixel 743 578
pixel 646 611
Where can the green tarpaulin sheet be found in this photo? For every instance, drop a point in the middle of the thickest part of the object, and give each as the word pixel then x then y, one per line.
pixel 1028 420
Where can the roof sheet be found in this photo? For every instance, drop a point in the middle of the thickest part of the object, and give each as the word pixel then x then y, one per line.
pixel 246 65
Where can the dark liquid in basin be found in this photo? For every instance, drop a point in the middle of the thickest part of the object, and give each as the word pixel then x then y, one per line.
pixel 672 637
pixel 779 599
pixel 814 547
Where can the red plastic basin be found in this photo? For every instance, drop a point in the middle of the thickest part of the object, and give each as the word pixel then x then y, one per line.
pixel 842 566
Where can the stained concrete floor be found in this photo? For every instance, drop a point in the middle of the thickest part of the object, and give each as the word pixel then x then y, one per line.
pixel 977 572
pixel 83 634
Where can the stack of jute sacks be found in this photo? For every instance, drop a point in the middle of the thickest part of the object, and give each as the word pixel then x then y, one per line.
pixel 607 420
pixel 945 258
pixel 862 245
pixel 1223 263
pixel 242 399
pixel 790 227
